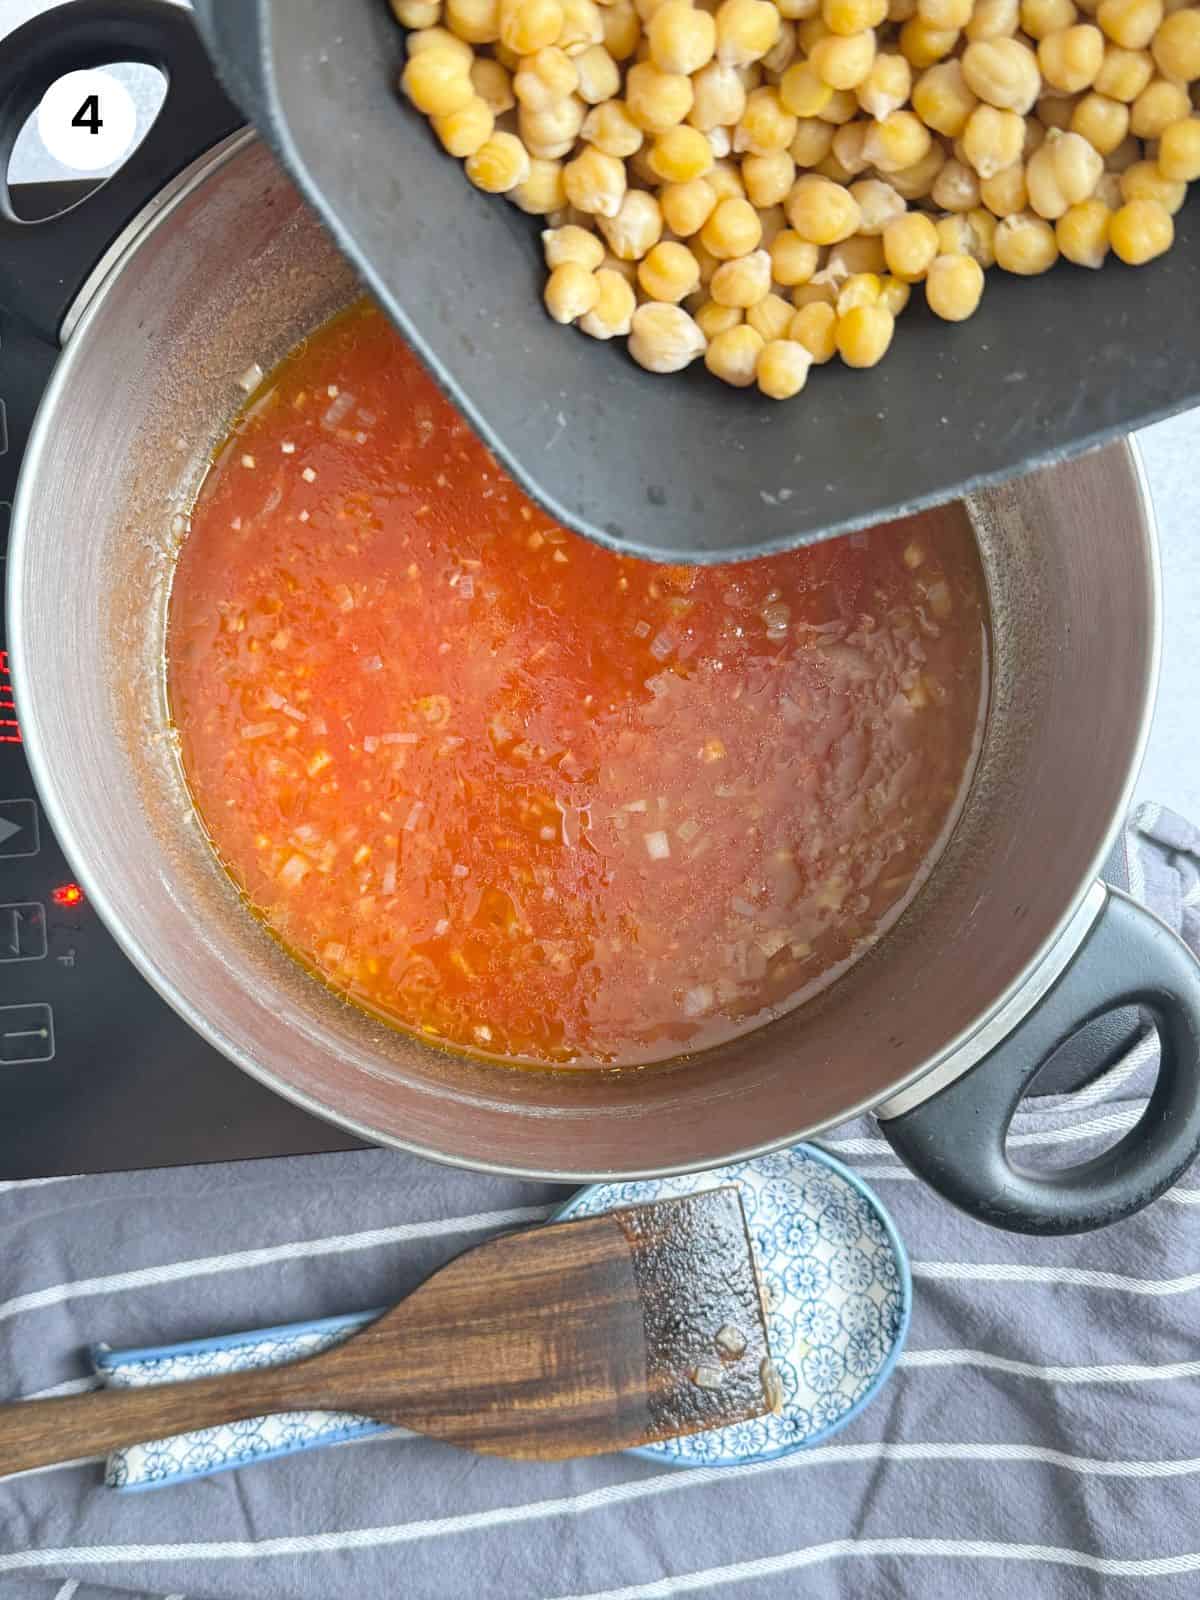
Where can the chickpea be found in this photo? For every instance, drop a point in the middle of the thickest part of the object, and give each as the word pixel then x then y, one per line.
pixel 680 154
pixel 542 190
pixel 636 228
pixel 476 21
pixel 686 207
pixel 994 19
pixel 768 179
pixel 910 245
pixel 954 287
pixel 770 317
pixel 1042 17
pixel 942 100
pixel 437 82
pixel 766 126
pixel 682 37
pixel 733 356
pixel 1176 46
pixel 1003 72
pixel 719 98
pixel 611 129
pixel 864 335
pixel 746 30
pixel 713 319
pixel 923 45
pixel 622 29
pixel 853 16
pixel 782 368
pixel 844 61
pixel 878 205
pixel 821 211
pixel 956 187
pixel 886 87
pixel 1179 151
pixel 669 272
pixel 1082 233
pixel 945 13
pixel 993 140
pixel 1145 181
pixel 897 143
pixel 493 84
pixel 530 25
pixel 656 100
pixel 598 74
pixel 1159 104
pixel 612 314
pixel 424 39
pixel 416 13
pixel 1104 123
pixel 916 182
pixel 802 92
pixel 1140 231
pixel 1071 58
pixel 462 132
pixel 571 292
pixel 572 243
pixel 732 230
pixel 813 141
pixel 1025 245
pixel 793 259
pixel 664 338
pixel 1124 73
pixel 1062 173
pixel 814 326
pixel 500 164
pixel 1130 23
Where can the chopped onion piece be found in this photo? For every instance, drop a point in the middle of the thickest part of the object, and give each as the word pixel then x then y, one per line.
pixel 459 871
pixel 634 805
pixel 466 586
pixel 399 738
pixel 373 664
pixel 294 869
pixel 641 629
pixel 342 405
pixel 688 830
pixel 699 1000
pixel 251 378
pixel 370 744
pixel 257 730
pixel 658 846
pixel 414 816
pixel 440 927
pixel 308 474
pixel 662 644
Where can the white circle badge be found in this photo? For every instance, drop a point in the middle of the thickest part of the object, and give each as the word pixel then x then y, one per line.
pixel 87 120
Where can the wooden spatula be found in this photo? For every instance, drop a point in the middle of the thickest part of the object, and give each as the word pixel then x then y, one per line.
pixel 565 1340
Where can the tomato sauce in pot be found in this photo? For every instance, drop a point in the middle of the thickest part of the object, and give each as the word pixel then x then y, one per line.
pixel 530 798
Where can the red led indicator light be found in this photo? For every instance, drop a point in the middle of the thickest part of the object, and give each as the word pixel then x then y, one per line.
pixel 10 728
pixel 67 894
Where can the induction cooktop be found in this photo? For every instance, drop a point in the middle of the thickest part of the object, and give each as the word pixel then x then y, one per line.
pixel 97 1073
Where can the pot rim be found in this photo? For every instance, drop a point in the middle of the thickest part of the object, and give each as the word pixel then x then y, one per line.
pixel 956 1057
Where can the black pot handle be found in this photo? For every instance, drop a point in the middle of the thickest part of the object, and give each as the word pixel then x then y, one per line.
pixel 43 265
pixel 955 1140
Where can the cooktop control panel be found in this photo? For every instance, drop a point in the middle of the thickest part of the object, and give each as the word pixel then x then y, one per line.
pixel 97 1073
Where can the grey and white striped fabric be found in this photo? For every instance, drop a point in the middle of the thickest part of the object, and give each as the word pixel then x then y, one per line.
pixel 1041 1437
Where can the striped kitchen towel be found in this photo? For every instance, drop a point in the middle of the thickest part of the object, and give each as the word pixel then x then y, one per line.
pixel 1037 1440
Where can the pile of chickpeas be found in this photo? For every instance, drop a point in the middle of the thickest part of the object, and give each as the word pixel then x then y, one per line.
pixel 761 183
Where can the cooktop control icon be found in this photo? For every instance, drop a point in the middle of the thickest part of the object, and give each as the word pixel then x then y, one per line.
pixel 18 828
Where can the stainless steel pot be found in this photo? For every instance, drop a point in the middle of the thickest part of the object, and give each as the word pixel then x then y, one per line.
pixel 1011 946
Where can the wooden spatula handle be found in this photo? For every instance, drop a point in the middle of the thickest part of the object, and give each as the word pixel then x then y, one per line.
pixel 40 1433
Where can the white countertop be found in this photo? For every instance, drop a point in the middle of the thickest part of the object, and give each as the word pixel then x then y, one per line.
pixel 1171 451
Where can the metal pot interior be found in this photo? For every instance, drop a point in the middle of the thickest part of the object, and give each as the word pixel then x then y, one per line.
pixel 238 271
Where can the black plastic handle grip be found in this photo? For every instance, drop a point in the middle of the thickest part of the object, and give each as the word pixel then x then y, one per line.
pixel 43 265
pixel 955 1141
